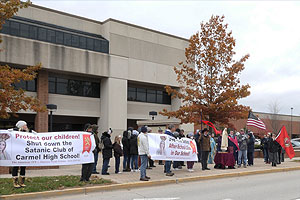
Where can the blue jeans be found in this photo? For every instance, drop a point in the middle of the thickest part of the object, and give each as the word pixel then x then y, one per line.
pixel 168 166
pixel 125 161
pixel 266 155
pixel 105 165
pixel 242 153
pixel 144 161
pixel 117 164
pixel 96 154
pixel 134 160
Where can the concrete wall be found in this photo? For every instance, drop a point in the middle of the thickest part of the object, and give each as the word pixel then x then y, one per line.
pixel 75 106
pixel 60 19
pixel 55 57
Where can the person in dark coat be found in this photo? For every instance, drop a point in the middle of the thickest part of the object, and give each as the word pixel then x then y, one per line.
pixel 106 151
pixel 87 168
pixel 126 152
pixel 197 139
pixel 96 150
pixel 273 150
pixel 265 148
pixel 118 152
pixel 250 150
pixel 134 150
pixel 205 148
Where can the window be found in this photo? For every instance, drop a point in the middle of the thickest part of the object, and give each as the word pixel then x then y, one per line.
pixel 95 90
pixel 54 34
pixel 31 86
pixel 82 42
pixel 159 97
pixel 166 98
pixel 15 28
pixel 42 34
pixel 97 46
pixel 90 44
pixel 141 94
pixel 20 85
pixel 26 85
pixel 6 28
pixel 75 41
pixel 67 39
pixel 61 86
pixel 73 87
pixel 104 45
pixel 59 37
pixel 131 96
pixel 33 32
pixel 24 30
pixel 151 96
pixel 148 95
pixel 52 84
pixel 51 36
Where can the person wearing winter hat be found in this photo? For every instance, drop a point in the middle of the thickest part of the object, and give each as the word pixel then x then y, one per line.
pixel 143 148
pixel 205 148
pixel 19 181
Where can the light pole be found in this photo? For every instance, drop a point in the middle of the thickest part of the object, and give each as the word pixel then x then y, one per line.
pixel 51 108
pixel 291 123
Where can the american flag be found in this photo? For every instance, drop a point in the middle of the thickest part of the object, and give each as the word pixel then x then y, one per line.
pixel 255 121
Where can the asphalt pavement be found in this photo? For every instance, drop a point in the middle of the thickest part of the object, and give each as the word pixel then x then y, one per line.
pixel 274 186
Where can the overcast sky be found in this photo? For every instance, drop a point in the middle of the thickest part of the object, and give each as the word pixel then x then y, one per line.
pixel 269 31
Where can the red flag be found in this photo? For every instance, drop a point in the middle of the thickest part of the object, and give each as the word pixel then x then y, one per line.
pixel 284 140
pixel 208 123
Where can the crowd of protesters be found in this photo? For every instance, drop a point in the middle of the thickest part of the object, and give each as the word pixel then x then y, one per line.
pixel 133 146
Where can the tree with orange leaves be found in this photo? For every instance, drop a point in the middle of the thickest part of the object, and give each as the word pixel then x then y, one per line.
pixel 13 100
pixel 208 79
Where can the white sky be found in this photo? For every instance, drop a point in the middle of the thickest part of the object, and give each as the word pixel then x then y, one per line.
pixel 268 30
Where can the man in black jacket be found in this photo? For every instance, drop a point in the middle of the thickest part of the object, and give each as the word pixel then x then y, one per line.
pixel 107 151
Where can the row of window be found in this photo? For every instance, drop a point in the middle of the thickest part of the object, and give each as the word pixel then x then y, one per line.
pixel 92 89
pixel 26 85
pixel 148 95
pixel 73 87
pixel 54 36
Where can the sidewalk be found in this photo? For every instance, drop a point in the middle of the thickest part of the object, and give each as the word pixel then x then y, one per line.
pixel 157 174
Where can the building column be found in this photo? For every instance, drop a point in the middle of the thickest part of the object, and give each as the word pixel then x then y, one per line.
pixel 41 118
pixel 113 106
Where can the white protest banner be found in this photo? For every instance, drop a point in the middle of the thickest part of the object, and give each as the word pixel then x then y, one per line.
pixel 45 149
pixel 165 147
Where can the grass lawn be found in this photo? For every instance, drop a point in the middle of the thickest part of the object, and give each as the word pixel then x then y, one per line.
pixel 39 184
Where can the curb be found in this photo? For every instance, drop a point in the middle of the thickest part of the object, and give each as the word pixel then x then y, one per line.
pixel 85 190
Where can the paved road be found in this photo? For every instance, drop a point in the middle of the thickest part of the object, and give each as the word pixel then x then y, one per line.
pixel 276 186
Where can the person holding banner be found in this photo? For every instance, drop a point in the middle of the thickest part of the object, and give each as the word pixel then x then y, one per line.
pixel 143 148
pixel 273 150
pixel 170 131
pixel 97 149
pixel 20 126
pixel 87 168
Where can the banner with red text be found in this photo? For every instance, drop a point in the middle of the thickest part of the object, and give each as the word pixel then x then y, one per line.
pixel 45 149
pixel 165 147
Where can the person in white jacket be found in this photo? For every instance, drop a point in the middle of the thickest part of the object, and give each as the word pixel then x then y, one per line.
pixel 143 147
